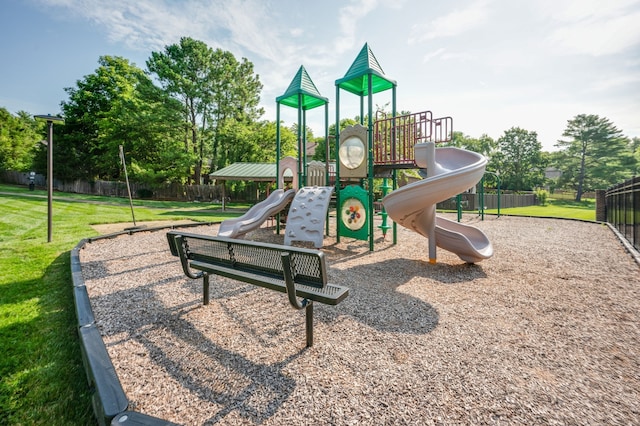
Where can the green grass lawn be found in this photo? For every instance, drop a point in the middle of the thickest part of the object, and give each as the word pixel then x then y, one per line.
pixel 42 380
pixel 565 209
pixel 41 374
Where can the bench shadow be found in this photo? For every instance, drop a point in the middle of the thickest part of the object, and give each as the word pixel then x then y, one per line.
pixel 235 397
pixel 384 296
pixel 266 379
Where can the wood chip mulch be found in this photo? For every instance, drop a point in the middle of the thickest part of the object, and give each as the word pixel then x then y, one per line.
pixel 544 332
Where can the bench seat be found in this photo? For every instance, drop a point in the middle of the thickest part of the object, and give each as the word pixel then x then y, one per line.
pixel 329 294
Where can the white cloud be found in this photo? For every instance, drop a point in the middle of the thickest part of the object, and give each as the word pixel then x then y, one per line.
pixel 453 23
pixel 598 36
pixel 151 24
pixel 591 27
pixel 349 16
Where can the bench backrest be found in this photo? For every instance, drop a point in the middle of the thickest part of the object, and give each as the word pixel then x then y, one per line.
pixel 307 265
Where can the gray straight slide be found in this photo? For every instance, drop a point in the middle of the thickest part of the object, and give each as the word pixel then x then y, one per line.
pixel 256 215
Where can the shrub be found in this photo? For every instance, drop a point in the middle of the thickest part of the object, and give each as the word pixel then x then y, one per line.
pixel 145 193
pixel 542 195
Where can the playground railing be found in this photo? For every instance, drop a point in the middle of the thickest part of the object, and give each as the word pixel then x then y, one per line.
pixel 394 137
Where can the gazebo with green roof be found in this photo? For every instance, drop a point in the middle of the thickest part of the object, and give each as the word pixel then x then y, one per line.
pixel 303 95
pixel 364 78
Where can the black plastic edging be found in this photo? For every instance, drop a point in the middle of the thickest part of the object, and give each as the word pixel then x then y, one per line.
pixel 110 403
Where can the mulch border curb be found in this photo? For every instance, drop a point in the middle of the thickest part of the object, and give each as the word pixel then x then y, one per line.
pixel 110 403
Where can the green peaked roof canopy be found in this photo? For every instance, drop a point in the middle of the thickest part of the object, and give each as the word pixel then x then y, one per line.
pixel 365 65
pixel 302 85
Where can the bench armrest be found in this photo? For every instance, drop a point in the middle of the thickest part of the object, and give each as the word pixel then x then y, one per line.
pixel 291 285
pixel 179 248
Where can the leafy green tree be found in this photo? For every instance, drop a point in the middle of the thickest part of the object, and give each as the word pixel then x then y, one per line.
pixel 149 126
pixel 252 142
pixel 19 137
pixel 596 154
pixel 212 86
pixel 484 145
pixel 634 147
pixel 119 105
pixel 519 160
pixel 80 150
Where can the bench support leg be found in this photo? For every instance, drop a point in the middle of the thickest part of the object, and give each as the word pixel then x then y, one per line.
pixel 309 323
pixel 205 289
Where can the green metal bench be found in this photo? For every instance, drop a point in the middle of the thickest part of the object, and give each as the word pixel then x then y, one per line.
pixel 296 271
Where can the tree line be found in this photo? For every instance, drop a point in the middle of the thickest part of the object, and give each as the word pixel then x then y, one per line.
pixel 593 154
pixel 195 110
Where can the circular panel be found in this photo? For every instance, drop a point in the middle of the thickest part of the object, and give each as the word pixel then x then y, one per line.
pixel 352 152
pixel 353 214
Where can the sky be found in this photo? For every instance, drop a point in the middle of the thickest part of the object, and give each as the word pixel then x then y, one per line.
pixel 490 64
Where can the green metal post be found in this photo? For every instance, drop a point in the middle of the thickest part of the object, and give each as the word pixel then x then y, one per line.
pixel 327 158
pixel 278 161
pixel 370 149
pixel 337 148
pixel 384 226
pixel 482 198
pixel 301 182
pixel 394 173
pixel 459 206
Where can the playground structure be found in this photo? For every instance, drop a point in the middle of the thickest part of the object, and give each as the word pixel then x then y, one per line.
pixel 386 145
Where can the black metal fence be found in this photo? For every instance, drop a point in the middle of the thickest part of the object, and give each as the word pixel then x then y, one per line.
pixel 623 209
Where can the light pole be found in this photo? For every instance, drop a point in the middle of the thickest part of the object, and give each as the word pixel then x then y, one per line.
pixel 50 119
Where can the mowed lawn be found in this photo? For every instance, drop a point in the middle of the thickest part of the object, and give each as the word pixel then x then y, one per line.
pixel 42 380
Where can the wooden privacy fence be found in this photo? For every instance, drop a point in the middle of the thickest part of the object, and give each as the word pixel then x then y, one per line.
pixel 174 192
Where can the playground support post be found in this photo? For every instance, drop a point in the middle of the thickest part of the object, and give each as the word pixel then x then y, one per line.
pixel 497 187
pixel 370 155
pixel 431 167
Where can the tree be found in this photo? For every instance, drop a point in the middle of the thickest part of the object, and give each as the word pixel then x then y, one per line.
pixel 149 126
pixel 252 142
pixel 519 160
pixel 19 137
pixel 484 145
pixel 212 86
pixel 118 105
pixel 595 156
pixel 634 146
pixel 80 151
